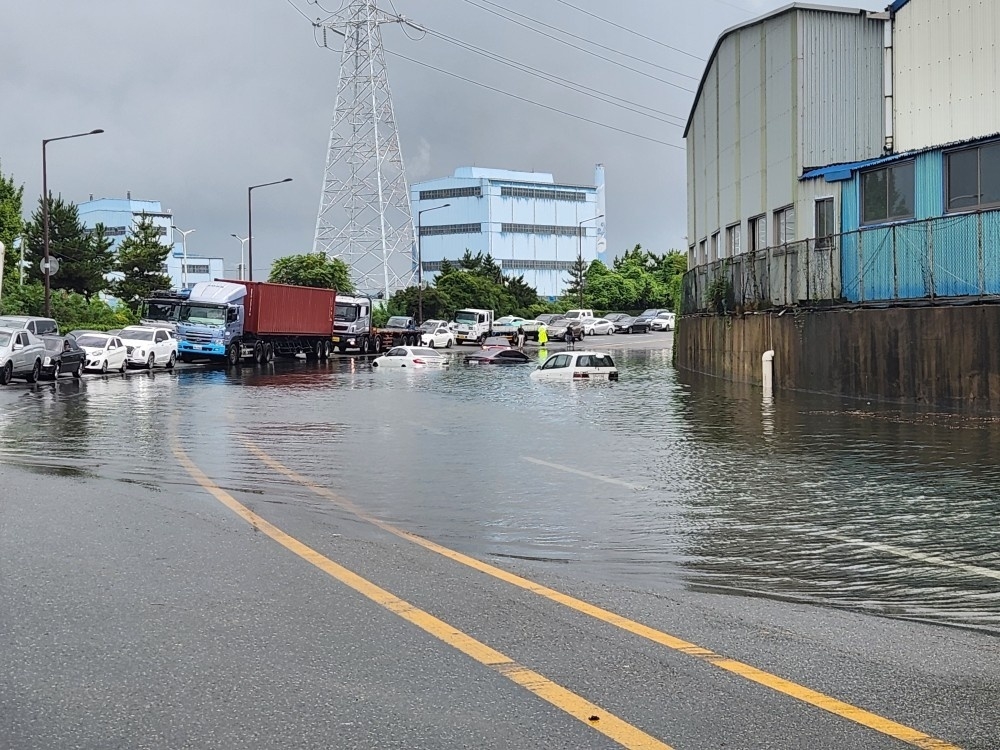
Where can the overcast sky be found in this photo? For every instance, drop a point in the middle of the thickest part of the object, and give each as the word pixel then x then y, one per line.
pixel 200 99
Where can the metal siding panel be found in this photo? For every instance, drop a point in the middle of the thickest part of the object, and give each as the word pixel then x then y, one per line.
pixel 947 69
pixel 780 171
pixel 842 108
pixel 928 174
pixel 729 147
pixel 751 132
pixel 710 215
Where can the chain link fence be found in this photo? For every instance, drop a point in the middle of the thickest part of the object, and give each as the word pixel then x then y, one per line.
pixel 952 256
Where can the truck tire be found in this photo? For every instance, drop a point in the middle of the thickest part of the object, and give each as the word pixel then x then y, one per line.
pixel 268 353
pixel 377 345
pixel 232 355
pixel 363 348
pixel 258 353
pixel 324 349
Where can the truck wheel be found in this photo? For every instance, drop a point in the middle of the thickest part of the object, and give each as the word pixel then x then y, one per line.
pixel 232 355
pixel 365 345
pixel 324 349
pixel 268 353
pixel 258 353
pixel 377 345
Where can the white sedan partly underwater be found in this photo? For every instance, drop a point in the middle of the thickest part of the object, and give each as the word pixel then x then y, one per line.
pixel 413 357
pixel 104 352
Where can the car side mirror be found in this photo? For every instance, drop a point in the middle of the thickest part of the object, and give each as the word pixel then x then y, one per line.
pixel 18 347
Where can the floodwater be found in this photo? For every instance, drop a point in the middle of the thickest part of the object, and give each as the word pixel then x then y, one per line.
pixel 661 480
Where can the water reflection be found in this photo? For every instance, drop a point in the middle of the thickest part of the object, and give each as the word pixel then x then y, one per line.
pixel 658 480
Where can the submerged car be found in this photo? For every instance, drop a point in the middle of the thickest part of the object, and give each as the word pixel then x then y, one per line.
pixel 21 355
pixel 495 342
pixel 147 346
pixel 498 357
pixel 104 352
pixel 62 354
pixel 577 366
pixel 413 357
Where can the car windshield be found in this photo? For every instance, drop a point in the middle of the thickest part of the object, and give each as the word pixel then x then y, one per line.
pixel 137 334
pixel 398 321
pixel 648 313
pixel 53 345
pixel 11 323
pixel 665 316
pixel 92 339
pixel 430 325
pixel 4 338
pixel 466 317
pixel 346 313
pixel 202 314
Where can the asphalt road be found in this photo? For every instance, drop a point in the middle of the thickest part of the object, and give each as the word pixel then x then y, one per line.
pixel 216 561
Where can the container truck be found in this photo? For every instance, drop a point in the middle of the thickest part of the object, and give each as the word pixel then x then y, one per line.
pixel 235 321
pixel 353 329
pixel 161 308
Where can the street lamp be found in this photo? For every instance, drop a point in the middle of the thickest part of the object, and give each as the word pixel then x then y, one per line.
pixel 420 265
pixel 243 242
pixel 45 212
pixel 184 250
pixel 579 249
pixel 250 221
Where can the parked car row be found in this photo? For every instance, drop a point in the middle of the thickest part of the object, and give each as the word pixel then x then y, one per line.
pixel 31 348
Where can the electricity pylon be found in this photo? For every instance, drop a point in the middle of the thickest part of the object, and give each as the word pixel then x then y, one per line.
pixel 364 210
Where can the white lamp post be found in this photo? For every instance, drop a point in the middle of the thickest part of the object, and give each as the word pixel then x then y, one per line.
pixel 184 251
pixel 243 242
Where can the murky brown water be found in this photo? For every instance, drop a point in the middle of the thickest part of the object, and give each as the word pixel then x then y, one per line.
pixel 657 481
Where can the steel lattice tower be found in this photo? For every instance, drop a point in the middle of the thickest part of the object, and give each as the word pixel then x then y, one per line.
pixel 364 210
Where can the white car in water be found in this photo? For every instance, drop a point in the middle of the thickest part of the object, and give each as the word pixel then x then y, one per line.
pixel 577 366
pixel 21 355
pixel 104 352
pixel 665 321
pixel 149 345
pixel 598 327
pixel 411 357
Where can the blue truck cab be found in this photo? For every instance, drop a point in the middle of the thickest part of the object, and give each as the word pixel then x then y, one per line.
pixel 211 317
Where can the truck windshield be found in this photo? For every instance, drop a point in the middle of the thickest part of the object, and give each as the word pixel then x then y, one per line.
pixel 346 313
pixel 464 316
pixel 164 311
pixel 202 314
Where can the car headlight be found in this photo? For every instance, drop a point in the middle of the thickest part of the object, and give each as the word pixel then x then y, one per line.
pixel 48 361
pixel 142 353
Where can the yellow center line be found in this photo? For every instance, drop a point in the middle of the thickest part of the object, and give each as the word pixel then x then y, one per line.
pixel 579 708
pixel 786 687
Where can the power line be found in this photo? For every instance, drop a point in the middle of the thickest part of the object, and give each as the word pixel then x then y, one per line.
pixel 588 41
pixel 537 104
pixel 631 31
pixel 580 88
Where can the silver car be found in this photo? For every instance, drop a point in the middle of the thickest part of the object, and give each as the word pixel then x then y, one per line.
pixel 21 355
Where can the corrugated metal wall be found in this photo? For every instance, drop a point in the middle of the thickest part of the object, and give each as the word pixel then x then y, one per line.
pixel 947 70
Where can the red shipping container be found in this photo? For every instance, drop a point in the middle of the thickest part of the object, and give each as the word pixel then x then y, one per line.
pixel 286 310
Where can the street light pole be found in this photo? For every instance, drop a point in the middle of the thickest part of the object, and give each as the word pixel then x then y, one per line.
pixel 250 221
pixel 420 264
pixel 184 260
pixel 45 213
pixel 243 241
pixel 579 250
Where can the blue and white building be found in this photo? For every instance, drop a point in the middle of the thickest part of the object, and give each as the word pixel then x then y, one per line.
pixel 118 216
pixel 528 222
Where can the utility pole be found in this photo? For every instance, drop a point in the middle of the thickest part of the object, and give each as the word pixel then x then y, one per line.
pixel 364 208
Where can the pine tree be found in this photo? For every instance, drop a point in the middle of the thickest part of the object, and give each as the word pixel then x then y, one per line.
pixel 85 257
pixel 11 226
pixel 577 280
pixel 141 258
pixel 446 267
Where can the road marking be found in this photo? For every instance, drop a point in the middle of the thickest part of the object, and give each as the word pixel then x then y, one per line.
pixel 579 708
pixel 571 470
pixel 791 689
pixel 923 557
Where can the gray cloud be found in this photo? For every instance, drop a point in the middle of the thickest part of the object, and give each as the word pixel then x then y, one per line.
pixel 201 99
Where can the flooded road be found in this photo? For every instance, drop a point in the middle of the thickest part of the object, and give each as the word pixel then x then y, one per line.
pixel 657 482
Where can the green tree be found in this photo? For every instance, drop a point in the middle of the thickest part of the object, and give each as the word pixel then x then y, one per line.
pixel 446 267
pixel 312 269
pixel 85 257
pixel 576 285
pixel 11 227
pixel 141 257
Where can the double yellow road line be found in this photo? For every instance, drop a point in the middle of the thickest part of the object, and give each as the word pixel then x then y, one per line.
pixel 576 706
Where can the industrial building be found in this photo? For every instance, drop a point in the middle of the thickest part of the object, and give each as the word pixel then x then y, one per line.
pixel 840 154
pixel 118 216
pixel 528 222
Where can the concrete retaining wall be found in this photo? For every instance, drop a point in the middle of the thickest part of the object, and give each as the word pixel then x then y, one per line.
pixel 942 356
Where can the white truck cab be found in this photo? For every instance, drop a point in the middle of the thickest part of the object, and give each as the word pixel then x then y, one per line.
pixel 473 324
pixel 579 314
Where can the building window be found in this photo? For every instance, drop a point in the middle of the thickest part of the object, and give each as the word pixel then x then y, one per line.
pixel 715 246
pixel 703 252
pixel 825 228
pixel 523 265
pixel 576 231
pixel 692 258
pixel 973 177
pixel 758 233
pixel 887 193
pixel 427 231
pixel 197 269
pixel 465 192
pixel 784 225
pixel 733 240
pixel 543 194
